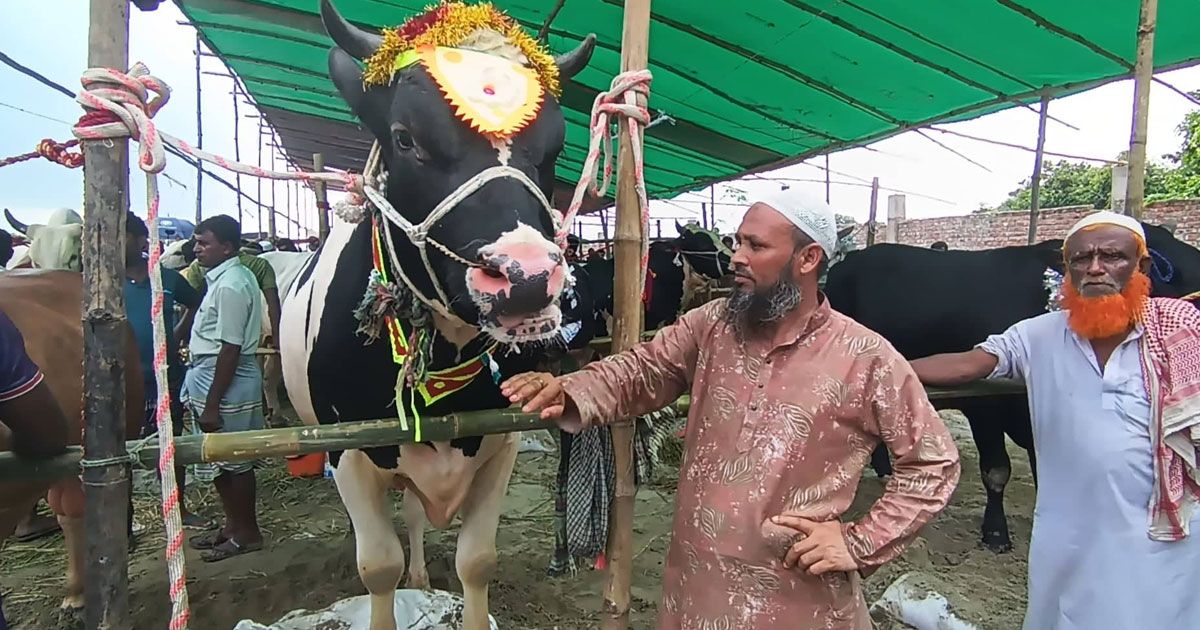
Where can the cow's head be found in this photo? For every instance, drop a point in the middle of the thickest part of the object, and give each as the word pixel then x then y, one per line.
pixel 704 250
pixel 517 273
pixel 1174 265
pixel 57 244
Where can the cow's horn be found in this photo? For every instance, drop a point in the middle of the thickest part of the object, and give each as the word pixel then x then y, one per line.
pixel 17 225
pixel 359 43
pixel 569 64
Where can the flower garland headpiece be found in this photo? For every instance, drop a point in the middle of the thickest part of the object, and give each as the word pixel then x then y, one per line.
pixel 448 24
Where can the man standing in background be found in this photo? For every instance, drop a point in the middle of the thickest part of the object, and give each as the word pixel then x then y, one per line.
pixel 138 301
pixel 223 387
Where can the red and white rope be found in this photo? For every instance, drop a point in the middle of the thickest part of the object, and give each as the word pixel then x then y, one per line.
pixel 620 100
pixel 126 97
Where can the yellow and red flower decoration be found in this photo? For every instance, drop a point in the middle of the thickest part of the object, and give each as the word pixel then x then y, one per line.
pixel 447 24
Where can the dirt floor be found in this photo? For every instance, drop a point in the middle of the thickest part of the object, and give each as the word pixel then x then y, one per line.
pixel 309 560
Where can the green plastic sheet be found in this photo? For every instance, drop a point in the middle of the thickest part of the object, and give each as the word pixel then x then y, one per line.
pixel 738 86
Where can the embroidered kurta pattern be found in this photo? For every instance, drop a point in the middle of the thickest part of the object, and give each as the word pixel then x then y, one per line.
pixel 777 430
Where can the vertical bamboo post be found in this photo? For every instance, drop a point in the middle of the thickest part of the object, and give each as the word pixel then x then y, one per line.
pixel 627 292
pixel 271 223
pixel 105 199
pixel 199 136
pixel 1143 71
pixel 704 215
pixel 259 182
pixel 237 151
pixel 322 198
pixel 287 209
pixel 826 178
pixel 1035 185
pixel 712 205
pixel 872 213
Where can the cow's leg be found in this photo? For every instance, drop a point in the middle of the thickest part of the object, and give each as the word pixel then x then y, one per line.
pixel 380 556
pixel 66 499
pixel 995 468
pixel 414 522
pixel 475 560
pixel 562 563
pixel 881 462
pixel 272 379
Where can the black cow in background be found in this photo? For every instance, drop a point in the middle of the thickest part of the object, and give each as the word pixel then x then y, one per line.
pixel 928 302
pixel 696 250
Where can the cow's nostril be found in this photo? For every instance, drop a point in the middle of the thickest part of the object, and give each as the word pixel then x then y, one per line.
pixel 492 273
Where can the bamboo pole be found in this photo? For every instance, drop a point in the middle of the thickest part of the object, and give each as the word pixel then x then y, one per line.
pixel 199 136
pixel 628 312
pixel 322 199
pixel 826 178
pixel 1143 71
pixel 250 445
pixel 1035 185
pixel 873 211
pixel 282 442
pixel 237 153
pixel 105 200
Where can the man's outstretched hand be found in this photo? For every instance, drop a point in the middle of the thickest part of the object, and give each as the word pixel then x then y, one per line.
pixel 536 392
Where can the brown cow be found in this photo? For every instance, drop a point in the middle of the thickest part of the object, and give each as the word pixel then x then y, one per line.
pixel 46 308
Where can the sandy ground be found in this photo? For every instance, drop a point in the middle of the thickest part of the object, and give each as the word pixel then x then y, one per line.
pixel 309 559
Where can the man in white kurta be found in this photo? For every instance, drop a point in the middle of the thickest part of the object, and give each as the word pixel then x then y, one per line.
pixel 1102 556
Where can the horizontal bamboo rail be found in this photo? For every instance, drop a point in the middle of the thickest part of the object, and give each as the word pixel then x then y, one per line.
pixel 247 445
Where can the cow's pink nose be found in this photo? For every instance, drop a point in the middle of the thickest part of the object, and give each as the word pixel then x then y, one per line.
pixel 519 278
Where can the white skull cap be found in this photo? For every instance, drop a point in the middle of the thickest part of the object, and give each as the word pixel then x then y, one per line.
pixel 1106 217
pixel 813 216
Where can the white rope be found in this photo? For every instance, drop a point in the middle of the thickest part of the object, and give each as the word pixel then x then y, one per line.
pixel 125 95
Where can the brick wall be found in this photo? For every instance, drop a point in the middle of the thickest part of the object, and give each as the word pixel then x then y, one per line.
pixel 999 229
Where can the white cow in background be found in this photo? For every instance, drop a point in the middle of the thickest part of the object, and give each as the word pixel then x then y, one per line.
pixel 57 244
pixel 287 267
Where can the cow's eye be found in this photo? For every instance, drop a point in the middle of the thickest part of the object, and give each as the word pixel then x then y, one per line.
pixel 403 139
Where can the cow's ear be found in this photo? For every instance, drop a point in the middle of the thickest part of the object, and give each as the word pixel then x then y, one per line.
pixel 32 230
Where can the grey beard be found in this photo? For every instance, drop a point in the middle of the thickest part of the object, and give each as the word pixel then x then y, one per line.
pixel 746 309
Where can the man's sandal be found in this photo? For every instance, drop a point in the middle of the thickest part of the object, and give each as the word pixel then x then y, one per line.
pixel 229 548
pixel 206 541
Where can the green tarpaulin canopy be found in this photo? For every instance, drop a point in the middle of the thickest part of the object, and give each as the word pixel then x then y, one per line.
pixel 738 86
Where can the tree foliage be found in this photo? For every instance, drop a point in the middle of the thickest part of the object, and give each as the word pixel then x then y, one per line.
pixel 1065 183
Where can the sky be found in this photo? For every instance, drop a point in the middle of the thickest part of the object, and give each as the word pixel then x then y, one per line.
pixel 937 181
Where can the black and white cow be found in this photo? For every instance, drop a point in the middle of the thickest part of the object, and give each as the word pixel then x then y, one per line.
pixel 674 270
pixel 508 293
pixel 926 301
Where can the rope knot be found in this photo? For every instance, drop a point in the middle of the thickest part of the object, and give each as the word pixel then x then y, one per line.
pixel 621 99
pixel 121 105
pixel 59 152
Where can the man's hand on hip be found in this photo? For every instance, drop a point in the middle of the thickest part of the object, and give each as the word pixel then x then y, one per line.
pixel 536 392
pixel 822 549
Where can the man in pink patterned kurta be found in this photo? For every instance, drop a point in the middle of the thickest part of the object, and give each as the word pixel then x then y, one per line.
pixel 789 398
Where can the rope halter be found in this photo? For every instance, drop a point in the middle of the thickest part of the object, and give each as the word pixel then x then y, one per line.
pixel 418 233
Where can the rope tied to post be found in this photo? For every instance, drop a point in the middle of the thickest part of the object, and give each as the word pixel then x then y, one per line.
pixel 621 100
pixel 57 152
pixel 120 105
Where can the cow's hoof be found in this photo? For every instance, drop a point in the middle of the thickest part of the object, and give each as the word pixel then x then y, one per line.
pixel 997 544
pixel 70 615
pixel 418 581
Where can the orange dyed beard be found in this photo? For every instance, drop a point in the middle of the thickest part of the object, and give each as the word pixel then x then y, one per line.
pixel 1106 315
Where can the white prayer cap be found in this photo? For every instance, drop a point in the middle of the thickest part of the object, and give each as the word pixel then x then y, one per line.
pixel 1105 217
pixel 813 216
